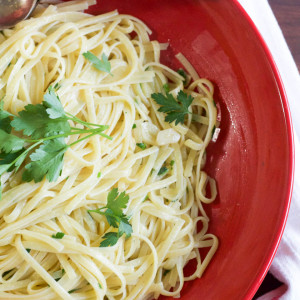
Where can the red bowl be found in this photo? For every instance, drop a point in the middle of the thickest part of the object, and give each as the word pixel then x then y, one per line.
pixel 252 160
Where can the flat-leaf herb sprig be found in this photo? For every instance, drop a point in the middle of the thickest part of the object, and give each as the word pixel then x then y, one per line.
pixel 113 211
pixel 45 127
pixel 175 109
pixel 99 64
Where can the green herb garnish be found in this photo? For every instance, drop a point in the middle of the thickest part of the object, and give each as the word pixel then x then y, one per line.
pixel 175 110
pixel 133 126
pixel 182 73
pixel 100 64
pixel 57 86
pixel 166 88
pixel 58 274
pixel 141 145
pixel 163 170
pixel 58 235
pixel 44 128
pixel 115 217
pixel 109 239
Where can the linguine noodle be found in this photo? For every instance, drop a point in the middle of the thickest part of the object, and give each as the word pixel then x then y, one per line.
pixel 165 210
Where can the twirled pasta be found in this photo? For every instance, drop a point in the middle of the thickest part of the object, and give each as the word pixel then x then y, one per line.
pixel 47 49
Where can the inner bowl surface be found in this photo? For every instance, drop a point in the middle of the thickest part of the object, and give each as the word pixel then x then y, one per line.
pixel 252 159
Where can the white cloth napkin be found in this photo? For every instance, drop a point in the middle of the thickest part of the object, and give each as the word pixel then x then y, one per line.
pixel 286 264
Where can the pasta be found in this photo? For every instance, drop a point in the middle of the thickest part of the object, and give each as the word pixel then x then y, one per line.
pixel 165 209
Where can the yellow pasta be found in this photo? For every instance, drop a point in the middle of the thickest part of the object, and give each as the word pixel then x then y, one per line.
pixel 164 210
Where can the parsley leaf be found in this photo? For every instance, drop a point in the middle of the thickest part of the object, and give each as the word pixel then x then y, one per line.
pixel 5 118
pixel 4 113
pixel 35 122
pixel 183 74
pixel 8 158
pixel 46 160
pixel 115 217
pixel 125 227
pixel 10 143
pixel 100 64
pixel 109 239
pixel 54 109
pixel 175 110
pixel 32 120
pixel 111 218
pixel 41 120
pixel 5 124
pixel 47 125
pixel 58 235
pixel 116 202
pixel 166 88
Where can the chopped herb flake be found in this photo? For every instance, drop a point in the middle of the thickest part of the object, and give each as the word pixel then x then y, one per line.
pixel 166 88
pixel 183 74
pixel 163 170
pixel 141 145
pixel 57 86
pixel 58 235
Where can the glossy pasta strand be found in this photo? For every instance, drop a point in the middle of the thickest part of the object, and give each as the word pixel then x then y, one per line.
pixel 164 207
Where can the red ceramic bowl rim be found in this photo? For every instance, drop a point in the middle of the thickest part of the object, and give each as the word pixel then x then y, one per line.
pixel 251 292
